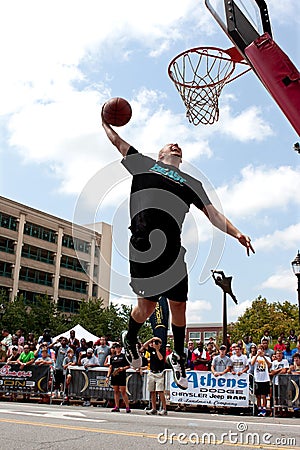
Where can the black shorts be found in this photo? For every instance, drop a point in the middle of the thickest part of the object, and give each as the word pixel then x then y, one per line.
pixel 118 380
pixel 164 275
pixel 262 388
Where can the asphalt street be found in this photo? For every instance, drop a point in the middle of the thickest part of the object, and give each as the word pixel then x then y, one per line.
pixel 41 427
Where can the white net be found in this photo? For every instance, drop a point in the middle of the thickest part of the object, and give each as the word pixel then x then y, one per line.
pixel 199 75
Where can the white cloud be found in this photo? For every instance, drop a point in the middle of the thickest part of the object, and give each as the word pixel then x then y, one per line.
pixel 249 125
pixel 235 311
pixel 283 279
pixel 261 189
pixel 279 12
pixel 195 311
pixel 284 239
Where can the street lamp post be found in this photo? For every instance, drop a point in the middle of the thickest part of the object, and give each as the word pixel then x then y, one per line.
pixel 296 269
pixel 225 285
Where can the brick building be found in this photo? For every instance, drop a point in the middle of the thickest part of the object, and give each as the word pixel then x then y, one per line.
pixel 203 331
pixel 43 254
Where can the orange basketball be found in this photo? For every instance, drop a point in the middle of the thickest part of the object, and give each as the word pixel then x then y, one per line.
pixel 117 111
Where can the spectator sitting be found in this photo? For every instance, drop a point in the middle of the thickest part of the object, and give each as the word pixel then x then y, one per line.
pixel 279 366
pixel 20 335
pixel 297 348
pixel 73 342
pixel 38 352
pixel 45 337
pixel 44 359
pixel 82 349
pixel 31 339
pixel 221 363
pixel 280 344
pixel 189 353
pixel 111 353
pixel 32 347
pixel 232 349
pixel 288 353
pixel 253 351
pixel 266 336
pixel 26 358
pixel 4 344
pixel 102 350
pixel 212 351
pixel 13 358
pixel 294 368
pixel 15 343
pixel 168 350
pixel 88 360
pixel 200 357
pixel 242 345
pixel 292 337
pixel 239 362
pixel 267 351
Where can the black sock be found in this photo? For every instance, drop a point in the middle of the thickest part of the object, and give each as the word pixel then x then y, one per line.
pixel 133 329
pixel 179 338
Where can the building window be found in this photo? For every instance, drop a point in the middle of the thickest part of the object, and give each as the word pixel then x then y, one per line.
pixel 39 232
pixel 68 305
pixel 77 244
pixel 36 276
pixel 209 334
pixel 70 284
pixel 6 245
pixel 7 221
pixel 38 254
pixel 5 269
pixel 30 297
pixel 196 335
pixel 73 264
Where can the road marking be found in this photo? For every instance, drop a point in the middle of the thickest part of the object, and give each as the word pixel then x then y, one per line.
pixel 137 434
pixel 66 415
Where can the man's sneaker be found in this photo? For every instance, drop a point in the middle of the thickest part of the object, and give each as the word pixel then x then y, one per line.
pixel 177 364
pixel 163 412
pixel 131 352
pixel 152 412
pixel 263 413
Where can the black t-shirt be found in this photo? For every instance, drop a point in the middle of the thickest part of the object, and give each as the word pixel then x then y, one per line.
pixel 161 196
pixel 156 364
pixel 118 361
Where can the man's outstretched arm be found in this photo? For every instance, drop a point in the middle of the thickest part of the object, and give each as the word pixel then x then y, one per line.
pixel 221 222
pixel 115 139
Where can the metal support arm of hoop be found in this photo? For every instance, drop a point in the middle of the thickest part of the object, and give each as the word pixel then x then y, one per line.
pixel 199 75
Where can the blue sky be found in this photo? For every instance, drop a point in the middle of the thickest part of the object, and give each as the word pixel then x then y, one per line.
pixel 62 60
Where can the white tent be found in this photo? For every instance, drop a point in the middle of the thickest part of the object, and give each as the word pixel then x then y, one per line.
pixel 80 333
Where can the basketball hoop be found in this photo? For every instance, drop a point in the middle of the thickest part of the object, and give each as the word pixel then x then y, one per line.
pixel 199 75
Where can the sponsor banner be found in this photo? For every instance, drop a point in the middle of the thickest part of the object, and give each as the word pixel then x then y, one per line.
pixel 289 390
pixel 92 383
pixel 159 321
pixel 31 379
pixel 206 389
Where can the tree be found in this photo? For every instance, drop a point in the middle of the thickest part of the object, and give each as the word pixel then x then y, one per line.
pixel 260 316
pixel 109 321
pixel 42 313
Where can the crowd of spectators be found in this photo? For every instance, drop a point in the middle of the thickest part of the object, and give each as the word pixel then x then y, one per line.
pixel 263 360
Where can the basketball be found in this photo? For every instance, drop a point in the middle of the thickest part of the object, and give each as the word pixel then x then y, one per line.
pixel 117 111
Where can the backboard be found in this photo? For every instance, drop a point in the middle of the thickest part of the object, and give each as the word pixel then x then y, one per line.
pixel 242 20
